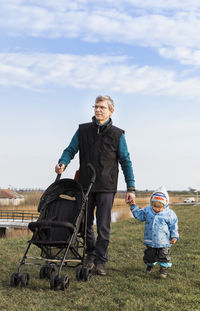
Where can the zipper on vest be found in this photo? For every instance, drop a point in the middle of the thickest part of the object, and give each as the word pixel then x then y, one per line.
pixel 98 130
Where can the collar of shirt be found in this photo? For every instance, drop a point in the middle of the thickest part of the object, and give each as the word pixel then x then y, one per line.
pixel 102 125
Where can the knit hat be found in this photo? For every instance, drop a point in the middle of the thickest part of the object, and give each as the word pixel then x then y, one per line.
pixel 160 195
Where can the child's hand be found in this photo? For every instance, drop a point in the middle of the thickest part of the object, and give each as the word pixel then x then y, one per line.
pixel 173 241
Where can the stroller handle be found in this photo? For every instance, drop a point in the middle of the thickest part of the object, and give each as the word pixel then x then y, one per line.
pixel 92 179
pixel 93 173
pixel 90 166
pixel 58 175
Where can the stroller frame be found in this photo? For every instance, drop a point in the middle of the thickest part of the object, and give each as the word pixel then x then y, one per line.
pixel 73 244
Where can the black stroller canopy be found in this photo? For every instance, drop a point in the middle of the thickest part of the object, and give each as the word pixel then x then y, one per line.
pixel 63 186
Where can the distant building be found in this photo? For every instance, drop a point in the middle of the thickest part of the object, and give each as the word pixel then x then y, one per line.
pixel 10 197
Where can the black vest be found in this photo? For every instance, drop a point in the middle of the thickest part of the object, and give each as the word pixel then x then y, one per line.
pixel 101 150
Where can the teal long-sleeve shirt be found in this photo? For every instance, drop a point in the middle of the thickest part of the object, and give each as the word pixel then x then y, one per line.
pixel 123 156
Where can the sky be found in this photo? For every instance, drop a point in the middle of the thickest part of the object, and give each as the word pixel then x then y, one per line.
pixel 56 57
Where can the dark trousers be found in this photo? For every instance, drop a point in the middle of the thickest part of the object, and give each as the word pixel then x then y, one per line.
pixel 98 247
pixel 160 255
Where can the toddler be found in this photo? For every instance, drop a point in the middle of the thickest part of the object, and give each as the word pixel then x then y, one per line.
pixel 161 230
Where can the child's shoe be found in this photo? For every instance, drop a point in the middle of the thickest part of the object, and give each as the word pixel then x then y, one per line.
pixel 163 272
pixel 149 269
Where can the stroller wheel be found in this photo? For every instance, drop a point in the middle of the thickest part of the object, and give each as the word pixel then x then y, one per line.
pixel 54 281
pixel 49 271
pixel 64 282
pixel 46 271
pixel 14 279
pixel 43 272
pixel 79 273
pixel 24 279
pixel 87 274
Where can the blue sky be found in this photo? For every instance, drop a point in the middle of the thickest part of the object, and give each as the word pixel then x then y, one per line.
pixel 56 57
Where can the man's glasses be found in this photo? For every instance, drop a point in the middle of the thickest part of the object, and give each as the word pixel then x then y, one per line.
pixel 99 107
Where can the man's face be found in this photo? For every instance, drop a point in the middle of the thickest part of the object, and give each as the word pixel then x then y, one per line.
pixel 102 111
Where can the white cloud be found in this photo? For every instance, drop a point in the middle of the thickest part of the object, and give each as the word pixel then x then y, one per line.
pixel 185 56
pixel 130 21
pixel 169 27
pixel 164 5
pixel 42 71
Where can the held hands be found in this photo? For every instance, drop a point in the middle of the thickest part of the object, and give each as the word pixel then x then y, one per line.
pixel 130 198
pixel 173 241
pixel 59 168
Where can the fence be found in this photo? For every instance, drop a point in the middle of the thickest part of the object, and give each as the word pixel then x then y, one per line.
pixel 21 216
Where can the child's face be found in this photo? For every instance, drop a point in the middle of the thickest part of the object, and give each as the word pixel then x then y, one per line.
pixel 157 207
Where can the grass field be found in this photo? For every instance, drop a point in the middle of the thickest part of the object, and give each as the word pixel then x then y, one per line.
pixel 125 287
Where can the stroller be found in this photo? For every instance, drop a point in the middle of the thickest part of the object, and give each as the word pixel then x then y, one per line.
pixel 60 233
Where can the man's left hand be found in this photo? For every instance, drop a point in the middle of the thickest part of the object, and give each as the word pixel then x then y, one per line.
pixel 130 198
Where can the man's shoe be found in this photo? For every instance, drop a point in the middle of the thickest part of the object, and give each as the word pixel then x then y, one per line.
pixel 163 272
pixel 101 269
pixel 149 269
pixel 90 262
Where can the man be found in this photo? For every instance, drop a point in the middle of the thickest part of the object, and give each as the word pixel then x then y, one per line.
pixel 104 146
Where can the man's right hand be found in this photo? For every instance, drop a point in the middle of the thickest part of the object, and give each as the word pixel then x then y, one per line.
pixel 130 198
pixel 59 168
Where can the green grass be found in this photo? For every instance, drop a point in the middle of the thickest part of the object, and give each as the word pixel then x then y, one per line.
pixel 126 287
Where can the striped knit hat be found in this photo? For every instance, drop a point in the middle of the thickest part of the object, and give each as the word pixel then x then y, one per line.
pixel 160 195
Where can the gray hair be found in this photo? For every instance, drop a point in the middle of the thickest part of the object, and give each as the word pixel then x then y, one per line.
pixel 109 100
